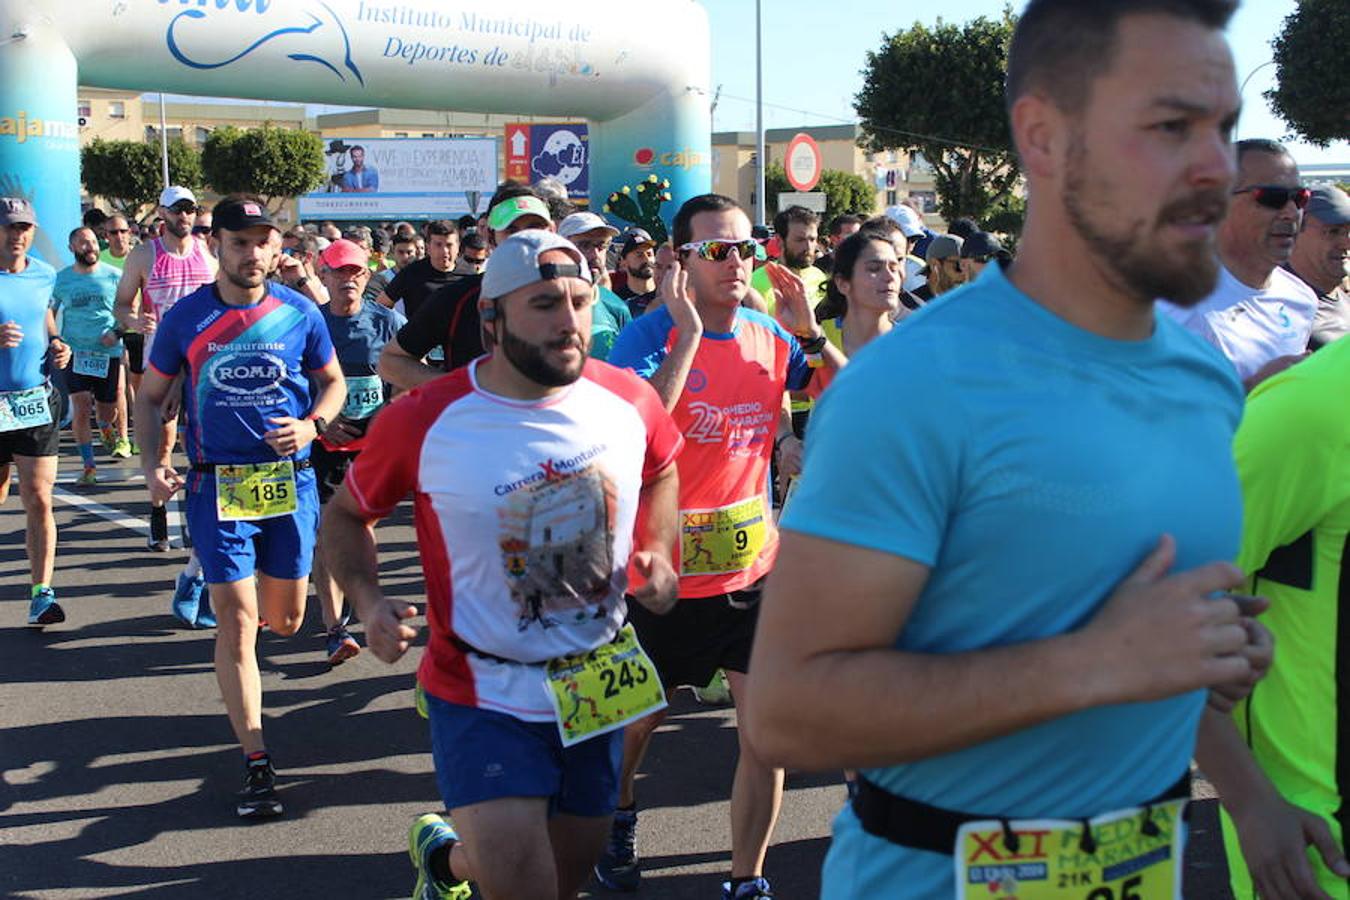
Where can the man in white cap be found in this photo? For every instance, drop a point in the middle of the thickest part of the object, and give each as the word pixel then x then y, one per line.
pixel 533 432
pixel 592 235
pixel 156 275
pixel 1319 259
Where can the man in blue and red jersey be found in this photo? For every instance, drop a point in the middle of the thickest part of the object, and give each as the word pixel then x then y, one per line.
pixel 250 349
pixel 721 370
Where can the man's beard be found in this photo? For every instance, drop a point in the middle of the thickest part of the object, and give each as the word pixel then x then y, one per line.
pixel 529 358
pixel 644 271
pixel 244 281
pixel 1124 254
pixel 796 260
pixel 177 229
pixel 88 258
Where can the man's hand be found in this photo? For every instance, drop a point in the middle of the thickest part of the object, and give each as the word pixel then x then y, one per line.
pixel 386 634
pixel 1260 653
pixel 1275 835
pixel 146 325
pixel 674 293
pixel 290 435
pixel 290 270
pixel 1274 367
pixel 163 482
pixel 1160 635
pixel 790 304
pixel 60 352
pixel 11 335
pixel 790 451
pixel 661 582
pixel 340 432
pixel 109 339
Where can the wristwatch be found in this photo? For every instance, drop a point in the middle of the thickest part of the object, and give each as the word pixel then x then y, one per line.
pixel 320 424
pixel 301 282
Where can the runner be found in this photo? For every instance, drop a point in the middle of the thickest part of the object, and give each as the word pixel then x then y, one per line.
pixel 721 369
pixel 155 276
pixel 1021 560
pixel 249 349
pixel 83 296
pixel 30 406
pixel 359 330
pixel 527 468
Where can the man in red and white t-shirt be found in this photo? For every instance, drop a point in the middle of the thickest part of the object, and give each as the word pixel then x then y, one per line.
pixel 527 468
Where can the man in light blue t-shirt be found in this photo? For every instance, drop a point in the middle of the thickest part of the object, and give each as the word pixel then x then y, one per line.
pixel 999 588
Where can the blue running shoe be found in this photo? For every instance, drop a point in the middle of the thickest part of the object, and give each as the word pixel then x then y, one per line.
pixel 341 645
pixel 206 618
pixel 428 834
pixel 618 866
pixel 187 598
pixel 752 890
pixel 43 608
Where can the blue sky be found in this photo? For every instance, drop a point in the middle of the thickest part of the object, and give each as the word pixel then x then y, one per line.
pixel 798 37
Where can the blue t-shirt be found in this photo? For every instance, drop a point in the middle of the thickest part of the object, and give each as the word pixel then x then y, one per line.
pixel 24 298
pixel 1031 465
pixel 359 338
pixel 85 304
pixel 246 365
pixel 609 316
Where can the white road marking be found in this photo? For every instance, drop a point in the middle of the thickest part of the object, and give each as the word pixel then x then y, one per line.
pixel 114 515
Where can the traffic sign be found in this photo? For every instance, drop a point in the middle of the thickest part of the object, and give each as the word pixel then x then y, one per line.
pixel 803 162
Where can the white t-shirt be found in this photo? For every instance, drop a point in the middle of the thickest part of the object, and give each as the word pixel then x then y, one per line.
pixel 525 515
pixel 1251 326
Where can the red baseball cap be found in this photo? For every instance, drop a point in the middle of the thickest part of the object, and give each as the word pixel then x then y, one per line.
pixel 344 253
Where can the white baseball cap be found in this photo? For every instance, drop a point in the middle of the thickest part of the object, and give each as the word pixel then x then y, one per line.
pixel 582 222
pixel 173 194
pixel 908 220
pixel 515 262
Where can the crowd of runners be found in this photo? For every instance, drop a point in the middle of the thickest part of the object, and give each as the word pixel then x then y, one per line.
pixel 1009 543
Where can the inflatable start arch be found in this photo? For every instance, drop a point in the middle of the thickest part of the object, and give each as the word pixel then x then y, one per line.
pixel 642 85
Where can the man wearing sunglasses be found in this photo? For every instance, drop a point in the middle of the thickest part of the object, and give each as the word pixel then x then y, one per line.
pixel 1319 259
pixel 721 370
pixel 1259 315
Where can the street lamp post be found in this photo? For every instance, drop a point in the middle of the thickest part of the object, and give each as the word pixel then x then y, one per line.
pixel 759 119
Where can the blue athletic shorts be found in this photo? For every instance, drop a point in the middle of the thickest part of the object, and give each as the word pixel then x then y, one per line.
pixel 282 547
pixel 484 755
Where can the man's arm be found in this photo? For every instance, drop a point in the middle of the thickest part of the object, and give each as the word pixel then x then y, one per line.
pixel 126 305
pixel 162 481
pixel 660 500
pixel 826 675
pixel 290 434
pixel 403 370
pixel 349 551
pixel 670 377
pixel 1275 835
pixel 59 349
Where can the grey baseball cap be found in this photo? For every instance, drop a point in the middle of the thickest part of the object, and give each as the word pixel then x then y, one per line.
pixel 1329 205
pixel 515 262
pixel 16 211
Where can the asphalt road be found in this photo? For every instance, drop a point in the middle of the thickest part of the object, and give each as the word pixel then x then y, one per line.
pixel 117 765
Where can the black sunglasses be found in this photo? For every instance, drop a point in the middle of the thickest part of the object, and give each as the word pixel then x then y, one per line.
pixel 201 229
pixel 183 206
pixel 1273 196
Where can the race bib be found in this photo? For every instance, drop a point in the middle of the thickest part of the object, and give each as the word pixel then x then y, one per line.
pixel 723 540
pixel 597 692
pixel 24 409
pixel 91 363
pixel 248 491
pixel 1135 855
pixel 365 394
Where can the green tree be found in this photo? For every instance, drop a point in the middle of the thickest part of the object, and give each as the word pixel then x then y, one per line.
pixel 844 192
pixel 939 91
pixel 1313 92
pixel 274 163
pixel 129 173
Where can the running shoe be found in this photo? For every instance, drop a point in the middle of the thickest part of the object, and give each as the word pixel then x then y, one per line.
pixel 618 866
pixel 752 890
pixel 44 610
pixel 159 530
pixel 121 449
pixel 428 834
pixel 420 700
pixel 89 478
pixel 341 645
pixel 108 439
pixel 187 598
pixel 206 618
pixel 716 693
pixel 259 799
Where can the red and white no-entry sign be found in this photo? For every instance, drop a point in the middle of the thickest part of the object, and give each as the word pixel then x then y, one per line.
pixel 803 162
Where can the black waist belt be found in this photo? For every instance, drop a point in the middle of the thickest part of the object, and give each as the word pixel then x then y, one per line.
pixel 464 646
pixel 210 468
pixel 919 826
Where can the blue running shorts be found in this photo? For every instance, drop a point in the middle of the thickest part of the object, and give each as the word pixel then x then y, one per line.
pixel 282 547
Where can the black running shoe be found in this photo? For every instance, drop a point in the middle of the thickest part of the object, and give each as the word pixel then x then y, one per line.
pixel 259 799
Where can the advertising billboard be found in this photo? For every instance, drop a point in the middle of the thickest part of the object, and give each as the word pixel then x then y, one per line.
pixel 404 178
pixel 560 151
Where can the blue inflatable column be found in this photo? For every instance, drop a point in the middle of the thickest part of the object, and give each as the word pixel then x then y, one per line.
pixel 39 130
pixel 660 149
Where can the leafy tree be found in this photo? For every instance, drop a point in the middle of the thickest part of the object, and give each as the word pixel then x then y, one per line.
pixel 844 192
pixel 1313 93
pixel 939 91
pixel 129 174
pixel 274 163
